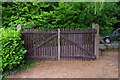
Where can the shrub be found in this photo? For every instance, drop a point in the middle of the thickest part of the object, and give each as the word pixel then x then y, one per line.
pixel 11 48
pixel 60 15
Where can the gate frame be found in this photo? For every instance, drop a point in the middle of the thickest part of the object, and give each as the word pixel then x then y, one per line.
pixel 96 41
pixel 96 26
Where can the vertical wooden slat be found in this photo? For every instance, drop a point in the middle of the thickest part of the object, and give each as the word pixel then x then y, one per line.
pixel 70 46
pixel 58 44
pixel 42 51
pixel 74 46
pixel 96 26
pixel 82 35
pixel 27 37
pixel 86 53
pixel 39 47
pixel 56 50
pixel 87 43
pixel 64 48
pixel 83 44
pixel 80 39
pixel 52 48
pixel 74 51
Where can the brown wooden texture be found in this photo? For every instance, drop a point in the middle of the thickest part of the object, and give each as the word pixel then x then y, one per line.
pixel 96 26
pixel 73 44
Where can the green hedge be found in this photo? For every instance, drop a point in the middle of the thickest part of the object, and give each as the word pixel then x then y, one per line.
pixel 49 15
pixel 12 49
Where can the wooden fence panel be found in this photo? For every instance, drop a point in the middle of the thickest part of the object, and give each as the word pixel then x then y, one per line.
pixel 60 44
pixel 41 44
pixel 77 45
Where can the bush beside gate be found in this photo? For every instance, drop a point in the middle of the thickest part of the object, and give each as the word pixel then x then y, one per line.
pixel 11 48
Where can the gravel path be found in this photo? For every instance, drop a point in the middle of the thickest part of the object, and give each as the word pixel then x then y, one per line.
pixel 104 67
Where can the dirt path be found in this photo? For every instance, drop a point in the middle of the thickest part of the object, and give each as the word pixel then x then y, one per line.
pixel 104 67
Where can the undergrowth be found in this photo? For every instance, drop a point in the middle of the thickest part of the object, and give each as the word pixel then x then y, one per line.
pixel 28 64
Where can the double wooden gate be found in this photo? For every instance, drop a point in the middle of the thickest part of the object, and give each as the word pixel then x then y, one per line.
pixel 56 44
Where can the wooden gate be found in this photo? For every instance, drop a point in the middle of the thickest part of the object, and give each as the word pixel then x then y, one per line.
pixel 56 44
pixel 77 44
pixel 40 44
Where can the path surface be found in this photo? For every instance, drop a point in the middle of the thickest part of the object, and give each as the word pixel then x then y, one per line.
pixel 104 67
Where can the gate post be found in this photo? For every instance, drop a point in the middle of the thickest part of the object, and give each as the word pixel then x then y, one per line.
pixel 58 44
pixel 96 43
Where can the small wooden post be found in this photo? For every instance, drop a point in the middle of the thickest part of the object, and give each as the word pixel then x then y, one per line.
pixel 96 26
pixel 58 44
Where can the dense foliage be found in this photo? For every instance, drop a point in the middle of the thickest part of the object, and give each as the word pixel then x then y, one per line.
pixel 11 48
pixel 62 15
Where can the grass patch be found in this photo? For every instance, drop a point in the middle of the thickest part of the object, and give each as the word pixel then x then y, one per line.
pixel 28 64
pixel 112 49
pixel 115 42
